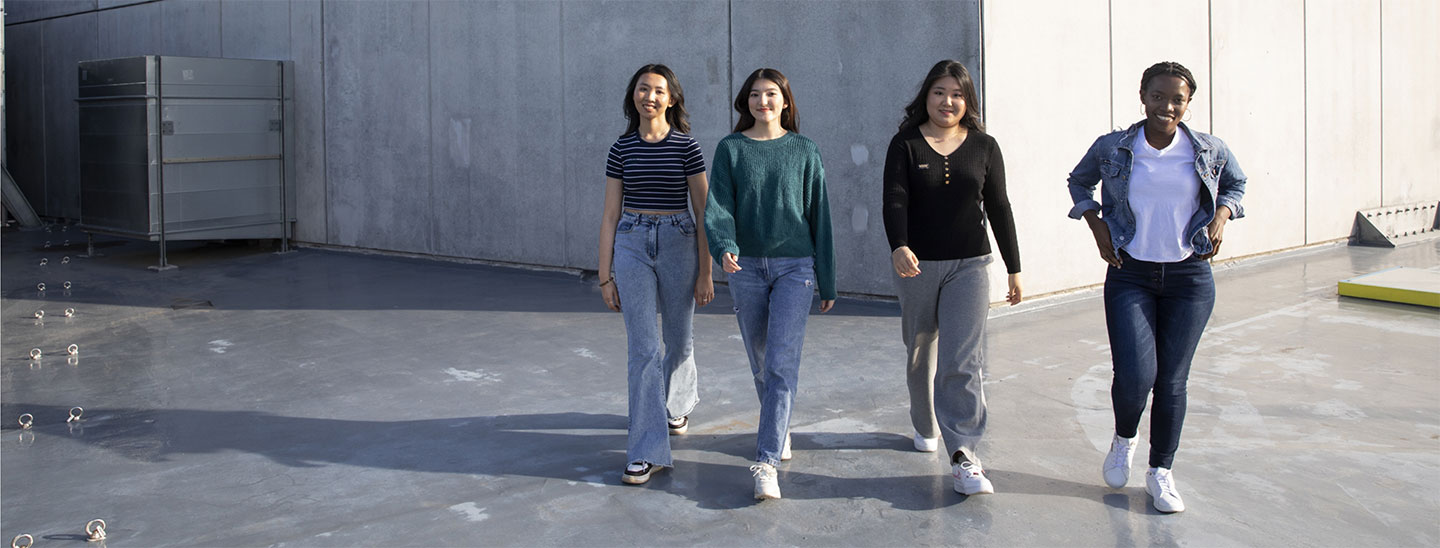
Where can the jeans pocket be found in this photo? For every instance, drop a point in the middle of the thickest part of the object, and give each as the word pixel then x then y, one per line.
pixel 687 227
pixel 626 226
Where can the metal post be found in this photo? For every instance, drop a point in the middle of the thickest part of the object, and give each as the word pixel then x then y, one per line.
pixel 284 157
pixel 160 158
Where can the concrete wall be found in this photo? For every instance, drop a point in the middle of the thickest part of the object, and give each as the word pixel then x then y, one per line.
pixel 1295 87
pixel 478 128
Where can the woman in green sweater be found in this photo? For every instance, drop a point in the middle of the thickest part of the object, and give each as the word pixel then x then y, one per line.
pixel 768 222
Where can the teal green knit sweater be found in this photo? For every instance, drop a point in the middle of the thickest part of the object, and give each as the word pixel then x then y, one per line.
pixel 767 199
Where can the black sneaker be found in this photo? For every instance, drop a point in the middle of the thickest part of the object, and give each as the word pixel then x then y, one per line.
pixel 679 426
pixel 637 472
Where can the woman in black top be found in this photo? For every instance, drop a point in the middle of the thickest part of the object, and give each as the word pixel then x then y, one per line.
pixel 944 177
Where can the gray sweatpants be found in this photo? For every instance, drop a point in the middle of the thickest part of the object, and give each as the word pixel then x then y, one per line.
pixel 942 319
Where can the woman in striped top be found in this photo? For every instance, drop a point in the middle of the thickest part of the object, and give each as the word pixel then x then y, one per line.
pixel 653 259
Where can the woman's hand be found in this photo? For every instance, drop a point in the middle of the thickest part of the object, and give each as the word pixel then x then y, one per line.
pixel 611 294
pixel 906 264
pixel 704 290
pixel 728 263
pixel 1015 293
pixel 1216 230
pixel 1102 238
pixel 825 305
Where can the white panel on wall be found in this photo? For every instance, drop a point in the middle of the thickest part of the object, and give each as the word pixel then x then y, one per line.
pixel 1047 99
pixel 1145 32
pixel 1258 51
pixel 1342 114
pixel 1410 76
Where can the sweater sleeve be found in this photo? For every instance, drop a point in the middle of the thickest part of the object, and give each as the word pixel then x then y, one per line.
pixel 818 212
pixel 997 208
pixel 896 197
pixel 720 206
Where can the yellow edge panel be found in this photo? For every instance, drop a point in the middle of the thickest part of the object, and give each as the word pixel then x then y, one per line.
pixel 1390 294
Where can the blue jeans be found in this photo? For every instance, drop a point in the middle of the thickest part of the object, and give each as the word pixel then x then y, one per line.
pixel 655 266
pixel 772 303
pixel 1155 313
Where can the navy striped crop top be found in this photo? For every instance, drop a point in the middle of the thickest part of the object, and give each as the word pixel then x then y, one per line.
pixel 654 174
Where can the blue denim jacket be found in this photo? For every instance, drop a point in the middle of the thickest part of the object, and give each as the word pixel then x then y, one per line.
pixel 1110 160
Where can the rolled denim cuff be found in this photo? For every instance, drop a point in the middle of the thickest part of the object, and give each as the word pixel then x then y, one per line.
pixel 1081 207
pixel 1236 211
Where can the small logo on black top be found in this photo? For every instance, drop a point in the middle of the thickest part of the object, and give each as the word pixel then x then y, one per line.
pixel 924 166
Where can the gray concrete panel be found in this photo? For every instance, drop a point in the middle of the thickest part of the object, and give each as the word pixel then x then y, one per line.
pixel 117 3
pixel 25 106
pixel 603 48
pixel 497 128
pixel 1410 54
pixel 377 134
pixel 1342 115
pixel 191 28
pixel 1187 41
pixel 307 48
pixel 850 88
pixel 1258 61
pixel 21 11
pixel 255 29
pixel 67 42
pixel 1047 98
pixel 131 31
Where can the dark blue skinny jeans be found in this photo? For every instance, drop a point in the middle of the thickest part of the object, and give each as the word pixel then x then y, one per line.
pixel 1155 313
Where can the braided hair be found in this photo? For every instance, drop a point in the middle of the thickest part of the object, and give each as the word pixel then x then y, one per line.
pixel 1169 68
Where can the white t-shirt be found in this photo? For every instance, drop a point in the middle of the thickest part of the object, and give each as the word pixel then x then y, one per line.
pixel 1164 195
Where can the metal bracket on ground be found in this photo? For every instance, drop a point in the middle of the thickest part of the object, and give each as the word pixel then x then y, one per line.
pixel 1390 226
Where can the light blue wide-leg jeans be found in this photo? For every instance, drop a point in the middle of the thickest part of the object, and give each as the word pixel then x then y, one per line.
pixel 772 303
pixel 655 266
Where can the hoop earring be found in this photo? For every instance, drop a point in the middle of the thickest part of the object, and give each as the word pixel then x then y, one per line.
pixel 1187 116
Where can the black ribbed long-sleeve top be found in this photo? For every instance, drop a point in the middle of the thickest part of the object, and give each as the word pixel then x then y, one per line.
pixel 938 204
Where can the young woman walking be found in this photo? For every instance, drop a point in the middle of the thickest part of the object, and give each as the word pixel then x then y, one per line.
pixel 944 177
pixel 653 260
pixel 769 226
pixel 1166 193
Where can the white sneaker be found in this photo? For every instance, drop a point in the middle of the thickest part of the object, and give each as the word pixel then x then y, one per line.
pixel 1160 483
pixel 637 473
pixel 785 451
pixel 926 445
pixel 1117 463
pixel 970 479
pixel 767 485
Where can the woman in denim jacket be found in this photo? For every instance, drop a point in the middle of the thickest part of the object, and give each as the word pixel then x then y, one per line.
pixel 1167 193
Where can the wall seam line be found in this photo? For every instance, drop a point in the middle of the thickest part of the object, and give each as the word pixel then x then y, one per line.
pixel 984 76
pixel 44 118
pixel 1305 105
pixel 564 145
pixel 432 242
pixel 730 56
pixel 325 126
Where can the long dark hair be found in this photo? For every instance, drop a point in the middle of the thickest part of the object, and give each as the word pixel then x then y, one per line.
pixel 1169 68
pixel 676 115
pixel 916 113
pixel 742 100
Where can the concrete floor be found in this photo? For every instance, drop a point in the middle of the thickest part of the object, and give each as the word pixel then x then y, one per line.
pixel 324 398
